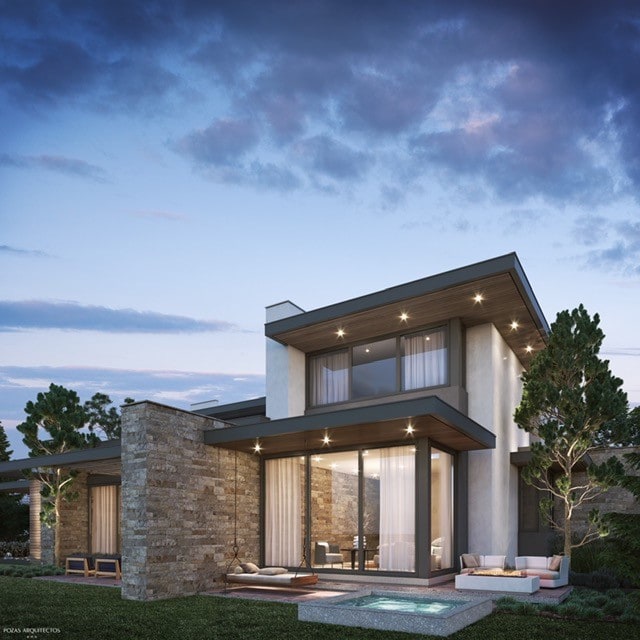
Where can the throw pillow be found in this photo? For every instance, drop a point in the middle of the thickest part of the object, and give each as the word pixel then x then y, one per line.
pixel 470 560
pixel 249 567
pixel 554 565
pixel 272 571
pixel 237 569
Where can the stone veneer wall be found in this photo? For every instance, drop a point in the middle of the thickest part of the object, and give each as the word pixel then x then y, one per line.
pixel 615 500
pixel 74 520
pixel 178 503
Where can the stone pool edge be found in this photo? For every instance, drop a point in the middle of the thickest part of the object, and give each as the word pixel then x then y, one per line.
pixel 442 624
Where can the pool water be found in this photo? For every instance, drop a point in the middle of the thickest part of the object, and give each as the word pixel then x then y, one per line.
pixel 399 604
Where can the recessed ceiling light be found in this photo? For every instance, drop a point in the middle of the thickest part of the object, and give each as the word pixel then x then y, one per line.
pixel 409 429
pixel 256 447
pixel 340 333
pixel 326 439
pixel 514 325
pixel 478 297
pixel 404 316
pixel 528 348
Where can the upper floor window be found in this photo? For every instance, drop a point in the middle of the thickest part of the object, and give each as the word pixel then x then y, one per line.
pixel 380 367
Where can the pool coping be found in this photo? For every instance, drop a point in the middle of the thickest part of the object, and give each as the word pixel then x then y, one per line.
pixel 330 611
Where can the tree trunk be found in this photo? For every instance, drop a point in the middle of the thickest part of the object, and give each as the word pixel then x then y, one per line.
pixel 567 531
pixel 56 532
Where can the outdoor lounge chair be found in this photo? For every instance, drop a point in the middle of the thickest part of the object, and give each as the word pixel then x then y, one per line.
pixel 325 553
pixel 79 563
pixel 108 566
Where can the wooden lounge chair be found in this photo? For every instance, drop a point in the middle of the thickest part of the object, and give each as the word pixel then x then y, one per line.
pixel 79 563
pixel 108 566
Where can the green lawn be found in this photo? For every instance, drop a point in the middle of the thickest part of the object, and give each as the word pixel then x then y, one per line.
pixel 86 612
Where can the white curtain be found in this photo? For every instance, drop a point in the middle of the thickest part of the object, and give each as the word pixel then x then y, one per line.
pixel 283 528
pixel 424 360
pixel 330 378
pixel 397 509
pixel 104 519
pixel 442 512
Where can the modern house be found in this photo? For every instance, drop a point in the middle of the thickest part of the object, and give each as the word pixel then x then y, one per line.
pixel 385 445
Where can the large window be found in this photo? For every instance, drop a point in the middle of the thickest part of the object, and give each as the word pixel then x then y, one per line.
pixel 441 510
pixel 362 510
pixel 380 367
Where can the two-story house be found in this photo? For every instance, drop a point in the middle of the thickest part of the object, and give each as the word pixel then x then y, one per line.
pixel 383 446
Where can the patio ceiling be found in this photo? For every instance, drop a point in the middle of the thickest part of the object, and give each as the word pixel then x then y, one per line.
pixel 495 291
pixel 380 424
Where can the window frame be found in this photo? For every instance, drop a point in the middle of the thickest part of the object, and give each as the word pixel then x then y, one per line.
pixel 399 381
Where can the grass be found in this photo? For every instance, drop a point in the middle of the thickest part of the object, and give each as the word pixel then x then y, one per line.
pixel 88 613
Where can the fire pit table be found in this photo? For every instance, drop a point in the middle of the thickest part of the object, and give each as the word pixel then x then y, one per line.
pixel 497 580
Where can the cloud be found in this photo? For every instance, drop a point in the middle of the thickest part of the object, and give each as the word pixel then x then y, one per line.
pixel 525 99
pixel 221 144
pixel 58 164
pixel 5 248
pixel 613 245
pixel 331 158
pixel 38 314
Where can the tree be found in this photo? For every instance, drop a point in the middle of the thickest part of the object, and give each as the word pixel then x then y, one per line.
pixel 14 515
pixel 99 418
pixel 572 404
pixel 59 414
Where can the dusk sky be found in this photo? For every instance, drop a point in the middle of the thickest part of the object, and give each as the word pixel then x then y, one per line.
pixel 168 169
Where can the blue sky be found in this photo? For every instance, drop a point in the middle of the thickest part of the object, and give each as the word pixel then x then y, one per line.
pixel 168 169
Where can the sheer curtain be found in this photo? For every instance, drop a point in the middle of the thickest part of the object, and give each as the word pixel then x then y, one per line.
pixel 330 378
pixel 283 528
pixel 442 505
pixel 424 360
pixel 397 509
pixel 104 519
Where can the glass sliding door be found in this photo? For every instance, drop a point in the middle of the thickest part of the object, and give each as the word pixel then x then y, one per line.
pixel 105 519
pixel 441 510
pixel 334 509
pixel 397 509
pixel 284 511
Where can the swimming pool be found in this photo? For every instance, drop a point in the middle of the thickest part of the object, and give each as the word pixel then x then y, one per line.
pixel 397 611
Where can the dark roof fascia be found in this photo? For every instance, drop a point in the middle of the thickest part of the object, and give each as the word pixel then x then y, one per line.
pixel 106 451
pixel 16 485
pixel 255 406
pixel 508 263
pixel 430 405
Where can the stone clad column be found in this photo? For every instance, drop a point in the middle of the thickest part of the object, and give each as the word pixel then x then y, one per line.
pixel 177 503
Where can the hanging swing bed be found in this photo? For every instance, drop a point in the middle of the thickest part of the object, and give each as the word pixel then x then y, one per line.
pixel 248 573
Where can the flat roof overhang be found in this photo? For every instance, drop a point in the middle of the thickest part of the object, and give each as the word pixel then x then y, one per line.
pixel 502 283
pixel 369 426
pixel 104 459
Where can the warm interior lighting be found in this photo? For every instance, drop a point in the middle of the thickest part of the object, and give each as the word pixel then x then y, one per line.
pixel 478 297
pixel 514 325
pixel 404 316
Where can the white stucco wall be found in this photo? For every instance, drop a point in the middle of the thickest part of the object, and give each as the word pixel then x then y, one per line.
pixel 494 388
pixel 285 370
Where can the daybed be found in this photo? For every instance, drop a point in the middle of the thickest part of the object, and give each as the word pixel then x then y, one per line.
pixel 469 561
pixel 249 573
pixel 553 572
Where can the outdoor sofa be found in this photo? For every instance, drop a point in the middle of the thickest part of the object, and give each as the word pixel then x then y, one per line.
pixel 553 571
pixel 471 561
